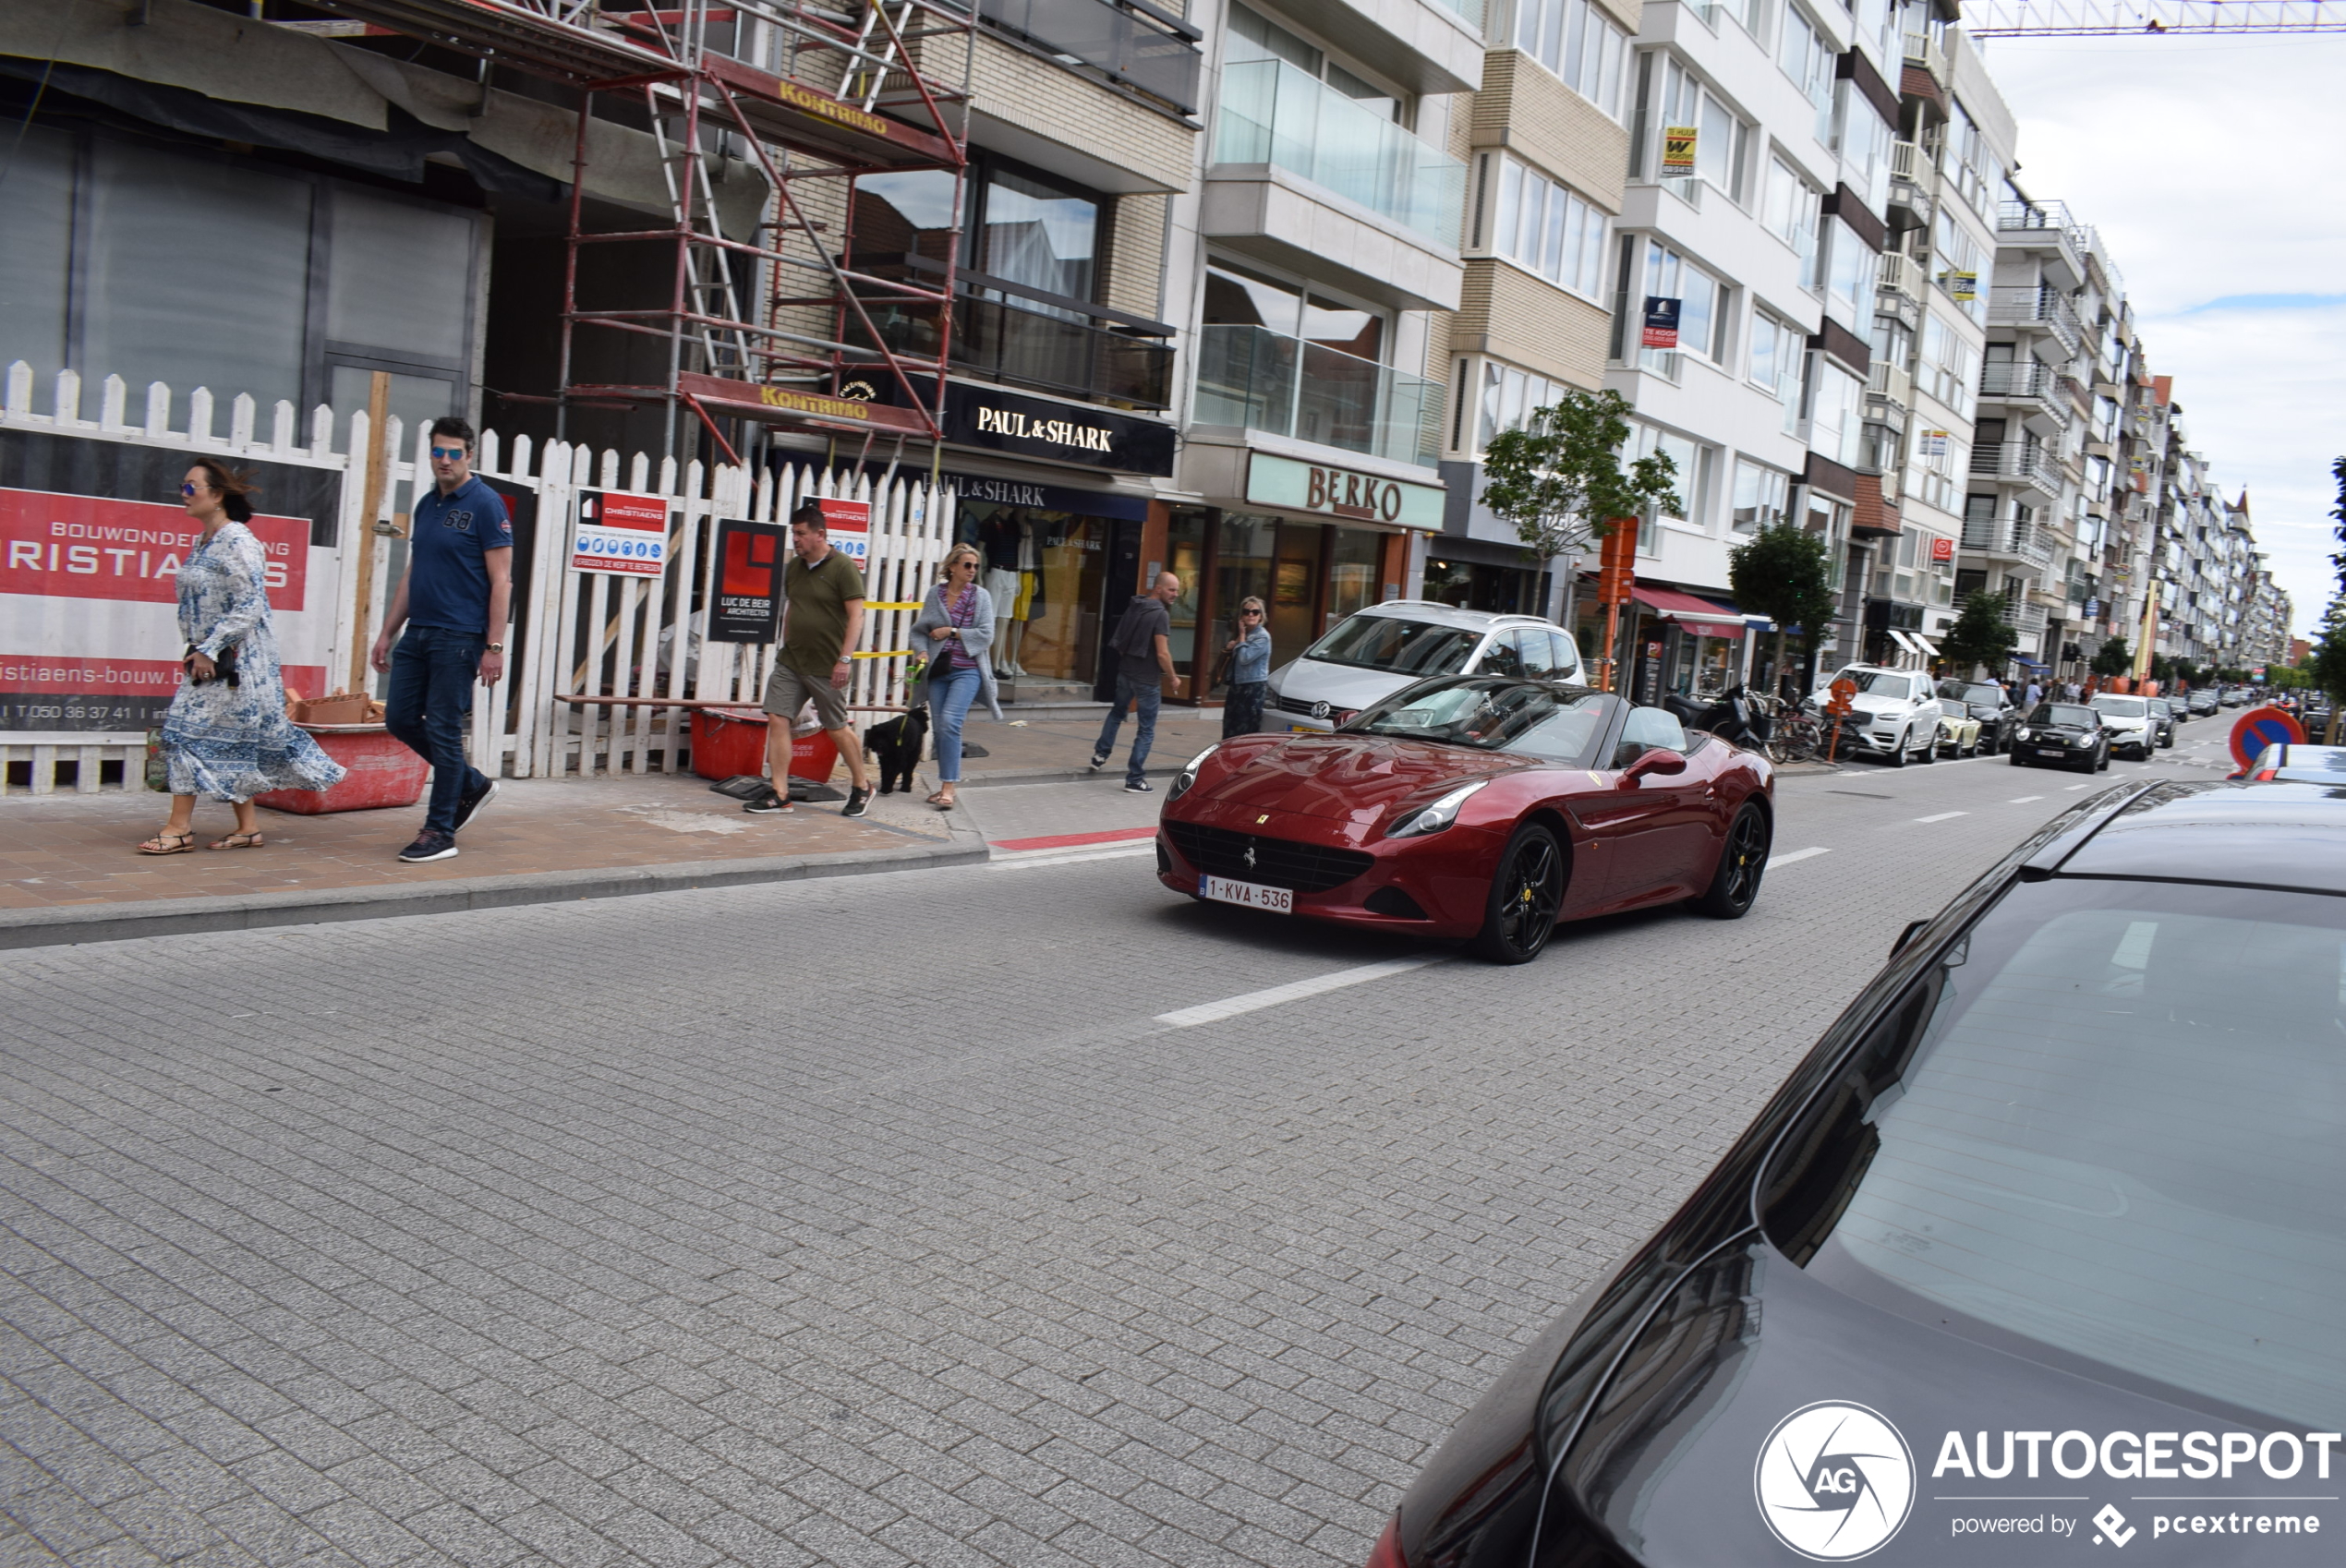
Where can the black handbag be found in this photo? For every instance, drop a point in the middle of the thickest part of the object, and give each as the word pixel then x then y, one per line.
pixel 223 665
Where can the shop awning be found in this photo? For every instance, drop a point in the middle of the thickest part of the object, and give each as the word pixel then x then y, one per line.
pixel 1699 616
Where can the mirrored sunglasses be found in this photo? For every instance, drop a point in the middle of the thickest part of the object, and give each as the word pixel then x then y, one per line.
pixel 447 454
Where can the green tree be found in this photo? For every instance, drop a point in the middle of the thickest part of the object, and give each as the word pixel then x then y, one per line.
pixel 2327 664
pixel 1783 572
pixel 1558 478
pixel 2113 657
pixel 1980 634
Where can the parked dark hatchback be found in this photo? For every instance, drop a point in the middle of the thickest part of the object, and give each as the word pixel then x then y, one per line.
pixel 2042 1240
pixel 1990 704
pixel 2162 720
pixel 2062 735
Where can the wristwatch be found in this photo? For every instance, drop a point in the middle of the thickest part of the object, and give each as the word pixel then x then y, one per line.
pixel 496 647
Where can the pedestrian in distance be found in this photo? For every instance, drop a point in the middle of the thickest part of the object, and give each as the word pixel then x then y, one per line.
pixel 2036 694
pixel 822 621
pixel 1248 652
pixel 449 614
pixel 1144 644
pixel 955 629
pixel 226 734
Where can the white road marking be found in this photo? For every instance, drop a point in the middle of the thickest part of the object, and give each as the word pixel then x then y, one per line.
pixel 1942 816
pixel 1791 855
pixel 1015 861
pixel 2075 788
pixel 1252 1001
pixel 2023 800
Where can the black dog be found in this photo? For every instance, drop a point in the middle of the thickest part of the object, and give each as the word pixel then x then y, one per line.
pixel 896 746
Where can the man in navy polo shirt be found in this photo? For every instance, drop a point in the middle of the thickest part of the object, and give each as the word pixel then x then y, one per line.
pixel 453 600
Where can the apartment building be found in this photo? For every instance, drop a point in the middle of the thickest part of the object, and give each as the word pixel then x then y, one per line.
pixel 1317 258
pixel 1753 221
pixel 1929 341
pixel 1546 145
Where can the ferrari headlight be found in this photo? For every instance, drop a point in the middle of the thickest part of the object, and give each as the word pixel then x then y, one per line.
pixel 1435 818
pixel 1188 776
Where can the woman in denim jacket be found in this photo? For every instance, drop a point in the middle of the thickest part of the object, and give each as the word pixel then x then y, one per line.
pixel 1250 651
pixel 955 630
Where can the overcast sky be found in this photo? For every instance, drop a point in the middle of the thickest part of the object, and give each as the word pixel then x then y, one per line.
pixel 2212 168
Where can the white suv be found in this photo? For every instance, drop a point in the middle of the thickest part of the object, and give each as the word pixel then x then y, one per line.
pixel 1895 712
pixel 1373 653
pixel 2128 721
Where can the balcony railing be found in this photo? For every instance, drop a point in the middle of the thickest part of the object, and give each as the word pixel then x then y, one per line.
pixel 2023 463
pixel 1274 114
pixel 2009 539
pixel 1137 46
pixel 1900 274
pixel 1054 344
pixel 1261 380
pixel 1923 50
pixel 2039 306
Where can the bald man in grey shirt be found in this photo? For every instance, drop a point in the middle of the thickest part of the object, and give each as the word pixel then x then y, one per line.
pixel 1143 642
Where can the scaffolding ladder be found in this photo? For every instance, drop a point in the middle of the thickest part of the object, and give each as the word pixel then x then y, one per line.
pixel 777 328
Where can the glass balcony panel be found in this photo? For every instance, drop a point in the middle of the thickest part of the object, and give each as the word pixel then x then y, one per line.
pixel 1050 353
pixel 1261 381
pixel 1119 43
pixel 1271 113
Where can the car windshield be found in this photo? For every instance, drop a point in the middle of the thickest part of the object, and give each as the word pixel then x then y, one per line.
pixel 1879 683
pixel 2112 1120
pixel 1953 709
pixel 1405 647
pixel 1555 723
pixel 2064 713
pixel 2159 707
pixel 1971 692
pixel 2125 708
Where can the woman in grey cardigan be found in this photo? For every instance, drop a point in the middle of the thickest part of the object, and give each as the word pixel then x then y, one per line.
pixel 955 628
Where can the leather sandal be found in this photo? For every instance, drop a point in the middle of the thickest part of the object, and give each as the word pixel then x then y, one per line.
pixel 252 840
pixel 162 844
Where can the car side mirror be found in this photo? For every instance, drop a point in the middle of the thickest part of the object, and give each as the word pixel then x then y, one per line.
pixel 1660 760
pixel 1913 929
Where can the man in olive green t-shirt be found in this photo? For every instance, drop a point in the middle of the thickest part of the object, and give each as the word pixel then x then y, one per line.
pixel 822 621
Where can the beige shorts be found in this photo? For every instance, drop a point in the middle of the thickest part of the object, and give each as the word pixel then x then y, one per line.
pixel 787 691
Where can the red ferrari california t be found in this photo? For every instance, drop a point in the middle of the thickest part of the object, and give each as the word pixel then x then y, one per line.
pixel 1476 807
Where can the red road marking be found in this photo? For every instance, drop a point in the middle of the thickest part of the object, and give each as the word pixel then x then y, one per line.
pixel 1064 841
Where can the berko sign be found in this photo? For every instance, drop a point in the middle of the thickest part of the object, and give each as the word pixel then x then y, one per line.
pixel 1341 493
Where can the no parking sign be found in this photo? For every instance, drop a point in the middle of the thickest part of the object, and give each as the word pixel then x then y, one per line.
pixel 2262 726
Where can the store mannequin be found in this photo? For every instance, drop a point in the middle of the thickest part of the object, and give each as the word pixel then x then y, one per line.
pixel 1007 544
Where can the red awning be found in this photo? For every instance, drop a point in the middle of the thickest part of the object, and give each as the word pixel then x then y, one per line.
pixel 1699 616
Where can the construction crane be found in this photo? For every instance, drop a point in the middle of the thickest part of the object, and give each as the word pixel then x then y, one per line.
pixel 2105 19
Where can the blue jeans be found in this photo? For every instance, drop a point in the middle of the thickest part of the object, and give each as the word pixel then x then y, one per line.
pixel 949 704
pixel 1147 690
pixel 432 671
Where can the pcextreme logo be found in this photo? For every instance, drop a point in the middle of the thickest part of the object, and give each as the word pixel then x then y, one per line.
pixel 1834 1481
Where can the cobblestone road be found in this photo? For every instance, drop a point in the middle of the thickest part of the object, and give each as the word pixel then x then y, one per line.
pixel 869 1221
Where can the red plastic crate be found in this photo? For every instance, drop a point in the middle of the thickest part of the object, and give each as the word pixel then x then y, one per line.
pixel 382 773
pixel 729 743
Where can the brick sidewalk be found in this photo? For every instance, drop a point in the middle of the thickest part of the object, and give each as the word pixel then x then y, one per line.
pixel 76 849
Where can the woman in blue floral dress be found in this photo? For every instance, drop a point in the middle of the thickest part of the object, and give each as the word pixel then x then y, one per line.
pixel 227 735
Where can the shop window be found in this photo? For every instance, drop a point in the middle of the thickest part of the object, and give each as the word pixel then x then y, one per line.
pixel 387 282
pixel 1052 568
pixel 1185 558
pixel 1353 562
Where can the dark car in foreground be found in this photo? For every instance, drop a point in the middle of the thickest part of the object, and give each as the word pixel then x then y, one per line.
pixel 2063 735
pixel 2040 1242
pixel 1475 806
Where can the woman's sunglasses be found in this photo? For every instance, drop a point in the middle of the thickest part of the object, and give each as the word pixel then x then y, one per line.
pixel 187 488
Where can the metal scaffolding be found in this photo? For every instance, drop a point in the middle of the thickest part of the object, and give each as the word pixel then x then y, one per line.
pixel 777 328
pixel 2089 18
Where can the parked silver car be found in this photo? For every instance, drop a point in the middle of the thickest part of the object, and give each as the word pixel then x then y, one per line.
pixel 1373 653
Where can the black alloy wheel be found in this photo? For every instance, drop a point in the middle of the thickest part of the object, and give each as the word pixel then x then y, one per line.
pixel 1743 859
pixel 1520 912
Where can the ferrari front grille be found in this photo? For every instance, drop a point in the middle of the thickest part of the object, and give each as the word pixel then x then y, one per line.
pixel 1274 862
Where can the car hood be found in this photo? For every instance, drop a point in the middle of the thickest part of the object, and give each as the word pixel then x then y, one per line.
pixel 1868 703
pixel 1781 1420
pixel 1339 686
pixel 1349 778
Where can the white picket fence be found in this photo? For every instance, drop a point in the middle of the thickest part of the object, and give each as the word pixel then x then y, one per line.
pixel 576 634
